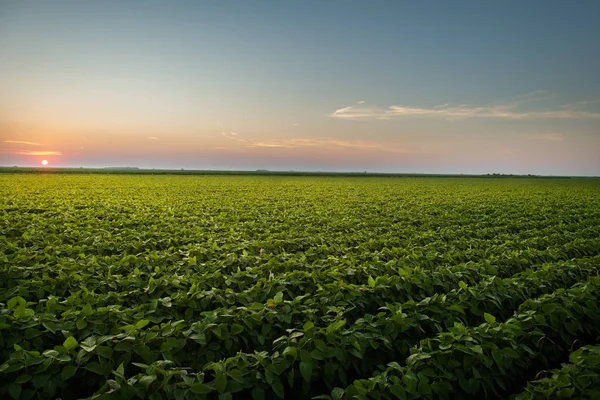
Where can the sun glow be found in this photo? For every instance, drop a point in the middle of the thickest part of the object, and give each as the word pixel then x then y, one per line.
pixel 44 162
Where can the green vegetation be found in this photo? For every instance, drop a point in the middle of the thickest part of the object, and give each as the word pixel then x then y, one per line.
pixel 578 379
pixel 184 287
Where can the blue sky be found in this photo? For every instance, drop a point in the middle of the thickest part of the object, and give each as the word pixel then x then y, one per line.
pixel 401 86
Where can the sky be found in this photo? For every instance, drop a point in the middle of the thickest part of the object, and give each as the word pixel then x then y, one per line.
pixel 381 86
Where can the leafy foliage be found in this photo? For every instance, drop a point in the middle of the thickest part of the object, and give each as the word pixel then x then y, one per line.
pixel 578 379
pixel 190 287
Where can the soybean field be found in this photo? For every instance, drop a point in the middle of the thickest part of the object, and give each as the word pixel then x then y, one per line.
pixel 298 287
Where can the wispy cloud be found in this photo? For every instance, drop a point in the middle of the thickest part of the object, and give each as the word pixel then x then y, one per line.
pixel 23 142
pixel 580 104
pixel 24 152
pixel 329 144
pixel 152 138
pixel 510 109
pixel 38 153
pixel 555 137
pixel 232 136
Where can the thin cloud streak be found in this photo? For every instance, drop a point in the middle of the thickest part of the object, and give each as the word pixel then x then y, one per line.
pixel 38 153
pixel 23 142
pixel 232 136
pixel 331 144
pixel 549 136
pixel 508 110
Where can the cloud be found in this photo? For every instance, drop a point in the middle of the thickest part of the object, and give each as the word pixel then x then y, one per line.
pixel 502 110
pixel 38 153
pixel 555 137
pixel 580 104
pixel 23 142
pixel 152 138
pixel 232 136
pixel 361 102
pixel 330 144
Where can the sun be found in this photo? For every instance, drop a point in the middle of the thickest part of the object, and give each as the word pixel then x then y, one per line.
pixel 44 162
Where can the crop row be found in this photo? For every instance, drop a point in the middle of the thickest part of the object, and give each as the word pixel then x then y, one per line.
pixel 578 379
pixel 338 352
pixel 490 359
pixel 240 271
pixel 221 290
pixel 269 318
pixel 493 358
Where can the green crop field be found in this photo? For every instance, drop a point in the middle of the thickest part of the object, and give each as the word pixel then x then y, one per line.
pixel 296 287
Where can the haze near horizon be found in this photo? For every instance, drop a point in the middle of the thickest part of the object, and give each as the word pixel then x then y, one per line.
pixel 388 86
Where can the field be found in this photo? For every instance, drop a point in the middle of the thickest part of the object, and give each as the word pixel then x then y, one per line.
pixel 266 287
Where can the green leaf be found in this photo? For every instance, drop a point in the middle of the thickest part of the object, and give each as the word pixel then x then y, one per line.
pixel 142 323
pixel 278 389
pixel 336 326
pixel 457 308
pixel 22 379
pixel 200 388
pixel 498 357
pixel 70 343
pixel 81 324
pixel 51 353
pixel 147 380
pixel 22 312
pixel 94 367
pixel 18 300
pixel 291 351
pixel 278 297
pixel 14 391
pixel 471 386
pixel 236 329
pixel 410 382
pixel 104 351
pixel 308 325
pixel 221 382
pixel 462 285
pixel 68 371
pixel 114 385
pixel 395 366
pixel 306 368
pixel 398 391
pixel 337 393
pixel 89 344
pixel 489 318
pixel 236 375
pixel 510 352
pixel 371 281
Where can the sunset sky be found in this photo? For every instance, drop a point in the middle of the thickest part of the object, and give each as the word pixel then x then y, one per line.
pixel 382 86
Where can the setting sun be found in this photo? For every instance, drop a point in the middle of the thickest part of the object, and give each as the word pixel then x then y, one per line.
pixel 44 162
